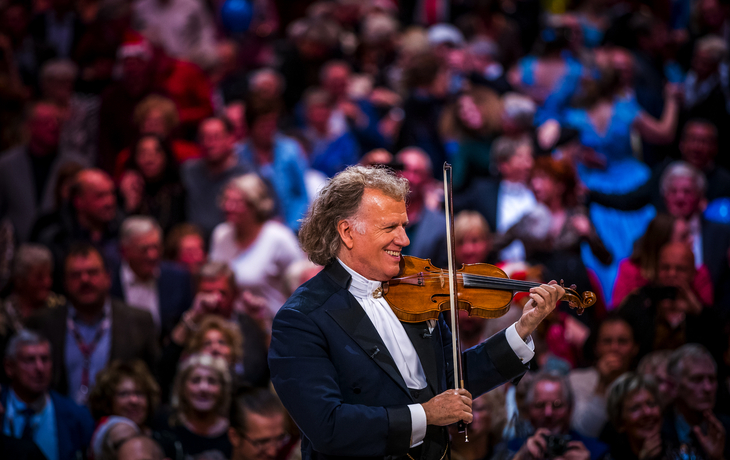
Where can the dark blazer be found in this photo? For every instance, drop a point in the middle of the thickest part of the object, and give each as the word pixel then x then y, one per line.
pixel 74 425
pixel 133 337
pixel 341 386
pixel 175 291
pixel 482 196
pixel 715 245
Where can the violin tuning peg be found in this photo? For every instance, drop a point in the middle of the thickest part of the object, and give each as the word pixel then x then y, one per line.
pixel 573 287
pixel 562 283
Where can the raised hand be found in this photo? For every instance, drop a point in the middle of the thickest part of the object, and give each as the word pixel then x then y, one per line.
pixel 713 443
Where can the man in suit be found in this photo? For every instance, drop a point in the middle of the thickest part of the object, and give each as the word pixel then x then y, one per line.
pixel 504 201
pixel 356 380
pixel 144 281
pixel 60 428
pixel 28 172
pixel 92 329
pixel 684 192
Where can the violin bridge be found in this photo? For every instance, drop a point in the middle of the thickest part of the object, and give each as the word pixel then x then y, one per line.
pixel 443 280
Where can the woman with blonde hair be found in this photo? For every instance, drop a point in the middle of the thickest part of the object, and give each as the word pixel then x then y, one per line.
pixel 201 399
pixel 251 238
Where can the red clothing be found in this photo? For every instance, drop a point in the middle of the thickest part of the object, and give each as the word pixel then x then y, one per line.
pixel 189 88
pixel 183 151
pixel 629 278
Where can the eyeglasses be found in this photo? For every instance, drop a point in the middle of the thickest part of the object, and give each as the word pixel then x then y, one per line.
pixel 540 405
pixel 261 444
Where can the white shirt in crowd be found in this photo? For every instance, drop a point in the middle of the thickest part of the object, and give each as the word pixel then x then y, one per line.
pixel 260 268
pixel 141 294
pixel 515 200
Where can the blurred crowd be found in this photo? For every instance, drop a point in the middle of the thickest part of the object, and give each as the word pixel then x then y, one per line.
pixel 157 157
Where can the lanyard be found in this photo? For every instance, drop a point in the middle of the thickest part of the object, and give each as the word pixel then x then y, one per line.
pixel 87 349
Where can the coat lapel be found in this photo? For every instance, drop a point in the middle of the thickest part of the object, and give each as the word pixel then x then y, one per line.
pixel 355 322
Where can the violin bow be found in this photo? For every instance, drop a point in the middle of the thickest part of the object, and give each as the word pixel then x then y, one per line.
pixel 451 250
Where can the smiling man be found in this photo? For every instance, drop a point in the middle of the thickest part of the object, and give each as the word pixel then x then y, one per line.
pixel 356 380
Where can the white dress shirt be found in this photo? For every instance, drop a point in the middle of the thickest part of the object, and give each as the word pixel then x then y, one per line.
pixel 695 229
pixel 141 294
pixel 514 201
pixel 399 345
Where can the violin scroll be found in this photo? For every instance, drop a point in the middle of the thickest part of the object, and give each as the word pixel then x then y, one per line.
pixel 576 300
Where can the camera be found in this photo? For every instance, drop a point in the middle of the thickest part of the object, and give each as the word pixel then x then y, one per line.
pixel 556 445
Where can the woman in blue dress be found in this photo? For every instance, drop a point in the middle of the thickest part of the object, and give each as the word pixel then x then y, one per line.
pixel 607 122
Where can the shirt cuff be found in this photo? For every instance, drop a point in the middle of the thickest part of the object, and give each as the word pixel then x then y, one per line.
pixel 418 424
pixel 525 350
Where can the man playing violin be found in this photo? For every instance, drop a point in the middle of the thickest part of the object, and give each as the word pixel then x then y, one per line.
pixel 357 381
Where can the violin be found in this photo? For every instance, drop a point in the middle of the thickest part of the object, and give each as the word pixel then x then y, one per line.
pixel 421 291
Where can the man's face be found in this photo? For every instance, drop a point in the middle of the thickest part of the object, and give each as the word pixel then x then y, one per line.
pixel 191 252
pixel 519 166
pixel 698 145
pixel 697 387
pixel 216 142
pixel 676 265
pixel 682 197
pixel 375 253
pixel 549 409
pixel 336 81
pixel 318 115
pixel 264 128
pixel 220 289
pixel 87 282
pixel 96 201
pixel 616 337
pixel 143 253
pixel 415 169
pixel 36 284
pixel 265 436
pixel 32 369
pixel 44 127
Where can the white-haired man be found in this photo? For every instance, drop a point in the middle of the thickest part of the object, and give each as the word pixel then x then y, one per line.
pixel 144 281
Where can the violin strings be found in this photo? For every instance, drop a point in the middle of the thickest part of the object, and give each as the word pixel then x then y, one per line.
pixel 482 281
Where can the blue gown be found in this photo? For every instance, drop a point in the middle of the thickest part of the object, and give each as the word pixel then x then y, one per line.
pixel 623 173
pixel 563 91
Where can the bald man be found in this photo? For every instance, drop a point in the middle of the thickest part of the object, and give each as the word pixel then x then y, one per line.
pixel 668 313
pixel 93 217
pixel 140 448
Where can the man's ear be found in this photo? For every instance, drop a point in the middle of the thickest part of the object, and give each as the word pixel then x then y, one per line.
pixel 345 229
pixel 234 437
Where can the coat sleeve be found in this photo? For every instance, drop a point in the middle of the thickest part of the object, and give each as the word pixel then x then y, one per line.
pixel 306 380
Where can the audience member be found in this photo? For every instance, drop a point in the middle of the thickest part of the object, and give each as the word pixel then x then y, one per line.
pixel 216 294
pixel 553 231
pixel 683 188
pixel 92 217
pixel 636 415
pixel 504 201
pixel 185 245
pixel 653 367
pixel 145 281
pixel 59 427
pixel 92 329
pixel 690 424
pixel 328 151
pixel 615 350
pixel 260 427
pixel 201 399
pixel 158 115
pixel 249 237
pixel 125 389
pixel 28 172
pixel 639 269
pixel 485 430
pixel 78 114
pixel 204 178
pixel 140 448
pixel 278 159
pixel 426 223
pixel 698 146
pixel 151 183
pixel 549 404
pixel 111 433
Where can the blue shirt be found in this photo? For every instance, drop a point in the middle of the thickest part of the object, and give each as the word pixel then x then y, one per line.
pixel 45 433
pixel 75 360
